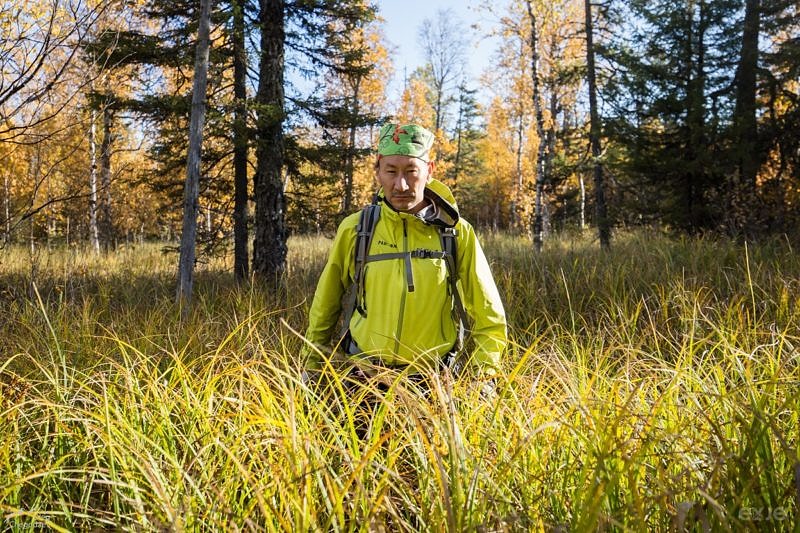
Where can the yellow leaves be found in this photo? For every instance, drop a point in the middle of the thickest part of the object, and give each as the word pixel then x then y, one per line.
pixel 414 104
pixel 373 87
pixel 445 151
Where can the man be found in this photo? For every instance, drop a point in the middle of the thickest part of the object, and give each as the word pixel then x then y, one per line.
pixel 404 314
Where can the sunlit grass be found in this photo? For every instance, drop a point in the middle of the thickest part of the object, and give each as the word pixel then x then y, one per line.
pixel 652 388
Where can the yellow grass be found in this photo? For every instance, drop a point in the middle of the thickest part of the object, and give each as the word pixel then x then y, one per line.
pixel 652 388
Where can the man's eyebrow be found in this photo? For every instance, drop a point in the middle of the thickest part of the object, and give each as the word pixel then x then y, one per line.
pixel 406 166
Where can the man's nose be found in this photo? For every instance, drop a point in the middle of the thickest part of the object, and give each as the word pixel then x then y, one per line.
pixel 400 183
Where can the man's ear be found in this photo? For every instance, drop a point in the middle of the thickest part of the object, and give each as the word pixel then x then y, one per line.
pixel 377 167
pixel 431 168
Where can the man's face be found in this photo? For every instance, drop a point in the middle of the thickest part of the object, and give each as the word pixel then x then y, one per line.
pixel 403 179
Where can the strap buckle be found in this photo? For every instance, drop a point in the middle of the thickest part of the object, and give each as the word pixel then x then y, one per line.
pixel 423 253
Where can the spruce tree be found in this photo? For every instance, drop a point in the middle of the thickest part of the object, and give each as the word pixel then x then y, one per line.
pixel 668 103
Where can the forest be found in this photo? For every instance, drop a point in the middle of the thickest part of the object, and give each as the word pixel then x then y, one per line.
pixel 173 174
pixel 678 115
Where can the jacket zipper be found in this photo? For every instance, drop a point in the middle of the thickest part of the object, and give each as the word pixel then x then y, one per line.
pixel 402 295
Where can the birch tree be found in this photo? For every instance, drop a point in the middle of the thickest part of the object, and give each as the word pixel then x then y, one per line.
pixel 444 44
pixel 540 134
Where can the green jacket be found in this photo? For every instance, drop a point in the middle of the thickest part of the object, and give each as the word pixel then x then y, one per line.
pixel 411 328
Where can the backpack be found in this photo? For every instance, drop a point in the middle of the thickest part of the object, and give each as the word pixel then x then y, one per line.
pixel 354 301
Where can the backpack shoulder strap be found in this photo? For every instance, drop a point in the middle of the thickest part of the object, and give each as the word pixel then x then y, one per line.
pixel 364 231
pixel 450 249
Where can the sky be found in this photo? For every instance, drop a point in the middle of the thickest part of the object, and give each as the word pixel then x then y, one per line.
pixel 403 19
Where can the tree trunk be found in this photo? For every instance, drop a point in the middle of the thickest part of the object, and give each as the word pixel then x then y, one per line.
pixel 582 185
pixel 603 228
pixel 347 201
pixel 745 123
pixel 570 122
pixel 192 187
pixel 35 173
pixel 459 133
pixel 550 136
pixel 7 206
pixel 516 200
pixel 538 231
pixel 94 235
pixel 241 257
pixel 48 212
pixel 105 224
pixel 697 171
pixel 438 109
pixel 269 246
pixel 444 44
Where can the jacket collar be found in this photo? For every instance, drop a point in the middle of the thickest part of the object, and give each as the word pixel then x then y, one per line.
pixel 441 209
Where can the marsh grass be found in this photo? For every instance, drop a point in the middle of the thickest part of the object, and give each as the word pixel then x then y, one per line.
pixel 652 388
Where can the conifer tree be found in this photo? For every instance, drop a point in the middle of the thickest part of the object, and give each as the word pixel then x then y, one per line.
pixel 601 210
pixel 241 256
pixel 191 189
pixel 668 105
pixel 269 244
pixel 466 133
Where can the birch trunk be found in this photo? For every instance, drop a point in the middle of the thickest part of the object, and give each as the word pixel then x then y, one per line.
pixel 94 235
pixel 105 224
pixel 516 200
pixel 7 206
pixel 538 232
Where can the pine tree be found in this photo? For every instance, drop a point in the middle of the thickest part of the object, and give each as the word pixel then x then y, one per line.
pixel 269 245
pixel 466 134
pixel 241 259
pixel 764 139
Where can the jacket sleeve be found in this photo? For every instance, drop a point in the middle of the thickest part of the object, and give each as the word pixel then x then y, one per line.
pixel 481 302
pixel 327 304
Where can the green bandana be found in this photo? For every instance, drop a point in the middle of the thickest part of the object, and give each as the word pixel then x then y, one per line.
pixel 411 140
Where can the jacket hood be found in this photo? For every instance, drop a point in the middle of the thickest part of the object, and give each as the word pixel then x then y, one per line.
pixel 442 211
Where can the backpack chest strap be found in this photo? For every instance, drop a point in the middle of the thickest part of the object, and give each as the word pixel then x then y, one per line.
pixel 419 253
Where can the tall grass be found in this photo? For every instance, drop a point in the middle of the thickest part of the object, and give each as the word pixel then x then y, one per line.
pixel 651 388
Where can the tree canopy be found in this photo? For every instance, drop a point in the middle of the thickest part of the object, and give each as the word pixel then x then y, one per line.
pixel 697 117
